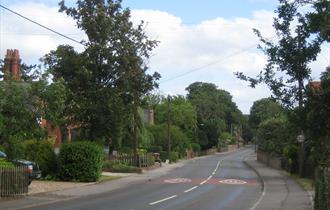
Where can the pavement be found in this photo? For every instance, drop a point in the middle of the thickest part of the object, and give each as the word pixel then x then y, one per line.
pixel 279 191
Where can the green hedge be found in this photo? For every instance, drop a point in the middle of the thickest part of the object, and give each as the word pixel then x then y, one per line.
pixel 80 161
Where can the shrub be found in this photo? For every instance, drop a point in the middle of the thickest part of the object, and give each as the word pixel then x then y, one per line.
pixel 195 147
pixel 80 161
pixel 174 156
pixel 43 154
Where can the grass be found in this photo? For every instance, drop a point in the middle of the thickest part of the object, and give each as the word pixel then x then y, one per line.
pixel 307 184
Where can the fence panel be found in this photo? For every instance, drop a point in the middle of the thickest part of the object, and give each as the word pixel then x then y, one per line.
pixel 14 181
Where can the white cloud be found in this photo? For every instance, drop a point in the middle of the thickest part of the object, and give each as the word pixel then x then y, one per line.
pixel 32 40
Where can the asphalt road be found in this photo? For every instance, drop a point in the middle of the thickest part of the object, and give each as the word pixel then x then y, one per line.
pixel 208 183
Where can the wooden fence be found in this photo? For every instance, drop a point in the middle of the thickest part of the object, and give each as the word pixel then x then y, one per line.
pixel 14 181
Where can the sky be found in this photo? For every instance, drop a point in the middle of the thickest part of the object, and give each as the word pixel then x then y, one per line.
pixel 204 41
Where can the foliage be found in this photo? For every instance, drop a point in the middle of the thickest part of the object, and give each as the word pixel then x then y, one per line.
pixel 225 139
pixel 322 191
pixel 155 149
pixel 174 156
pixel 105 82
pixel 80 161
pixel 273 135
pixel 181 114
pixel 178 140
pixel 195 147
pixel 318 20
pixel 4 163
pixel 287 67
pixel 19 113
pixel 14 148
pixel 262 110
pixel 41 152
pixel 318 112
pixel 216 112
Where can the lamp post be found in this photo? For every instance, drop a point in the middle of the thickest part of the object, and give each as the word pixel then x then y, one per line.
pixel 301 138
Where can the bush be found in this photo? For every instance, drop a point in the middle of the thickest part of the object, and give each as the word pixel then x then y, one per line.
pixel 43 154
pixel 80 161
pixel 174 156
pixel 195 147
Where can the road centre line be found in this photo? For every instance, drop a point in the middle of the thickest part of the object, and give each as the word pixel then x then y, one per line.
pixel 191 189
pixel 162 200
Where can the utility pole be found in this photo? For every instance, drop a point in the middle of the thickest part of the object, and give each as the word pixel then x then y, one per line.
pixel 168 126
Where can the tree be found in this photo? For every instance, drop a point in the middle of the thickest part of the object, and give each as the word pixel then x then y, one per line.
pixel 107 80
pixel 109 77
pixel 182 115
pixel 319 19
pixel 287 69
pixel 263 110
pixel 216 112
pixel 318 120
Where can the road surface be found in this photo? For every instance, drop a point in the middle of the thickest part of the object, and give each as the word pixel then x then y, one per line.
pixel 212 182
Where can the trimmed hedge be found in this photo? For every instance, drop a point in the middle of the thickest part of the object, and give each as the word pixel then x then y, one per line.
pixel 80 161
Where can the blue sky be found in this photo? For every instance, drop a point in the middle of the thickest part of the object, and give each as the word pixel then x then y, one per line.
pixel 205 41
pixel 194 11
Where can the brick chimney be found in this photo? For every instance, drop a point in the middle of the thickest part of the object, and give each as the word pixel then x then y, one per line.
pixel 12 65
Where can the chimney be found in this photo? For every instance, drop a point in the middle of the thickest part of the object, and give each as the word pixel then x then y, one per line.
pixel 12 65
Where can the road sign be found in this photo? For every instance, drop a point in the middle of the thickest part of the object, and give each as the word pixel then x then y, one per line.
pixel 177 180
pixel 232 181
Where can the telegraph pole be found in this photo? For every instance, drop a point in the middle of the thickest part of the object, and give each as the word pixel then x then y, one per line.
pixel 168 126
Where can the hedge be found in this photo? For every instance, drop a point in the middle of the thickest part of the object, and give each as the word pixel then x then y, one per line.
pixel 80 161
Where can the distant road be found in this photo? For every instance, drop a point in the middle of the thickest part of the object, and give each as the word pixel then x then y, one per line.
pixel 207 183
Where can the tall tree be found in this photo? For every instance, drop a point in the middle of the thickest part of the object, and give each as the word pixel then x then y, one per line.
pixel 108 79
pixel 287 67
pixel 216 112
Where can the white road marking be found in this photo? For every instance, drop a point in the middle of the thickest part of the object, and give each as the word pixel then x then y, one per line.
pixel 162 200
pixel 233 181
pixel 191 189
pixel 203 182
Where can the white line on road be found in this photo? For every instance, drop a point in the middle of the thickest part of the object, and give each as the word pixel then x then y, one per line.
pixel 162 200
pixel 203 182
pixel 191 189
